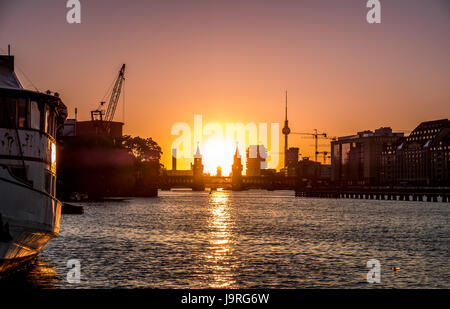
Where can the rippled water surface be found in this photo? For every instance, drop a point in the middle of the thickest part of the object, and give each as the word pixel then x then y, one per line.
pixel 251 239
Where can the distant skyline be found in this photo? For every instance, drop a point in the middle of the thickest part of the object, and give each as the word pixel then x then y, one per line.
pixel 231 61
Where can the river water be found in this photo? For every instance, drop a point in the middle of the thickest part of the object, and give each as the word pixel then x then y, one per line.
pixel 250 239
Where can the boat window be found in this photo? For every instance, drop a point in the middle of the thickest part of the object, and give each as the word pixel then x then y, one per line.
pixel 53 124
pixel 49 121
pixel 53 185
pixel 48 182
pixel 8 112
pixel 35 115
pixel 42 120
pixel 22 113
pixel 2 113
pixel 46 119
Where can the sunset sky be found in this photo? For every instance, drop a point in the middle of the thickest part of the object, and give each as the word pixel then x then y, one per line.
pixel 231 61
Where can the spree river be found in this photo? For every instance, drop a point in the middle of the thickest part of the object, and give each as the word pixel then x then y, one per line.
pixel 250 239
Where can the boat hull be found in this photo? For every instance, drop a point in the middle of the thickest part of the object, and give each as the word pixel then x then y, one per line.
pixel 29 218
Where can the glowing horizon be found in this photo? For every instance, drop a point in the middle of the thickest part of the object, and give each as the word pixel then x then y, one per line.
pixel 218 153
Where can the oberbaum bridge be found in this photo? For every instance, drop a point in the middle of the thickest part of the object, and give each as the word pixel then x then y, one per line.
pixel 198 181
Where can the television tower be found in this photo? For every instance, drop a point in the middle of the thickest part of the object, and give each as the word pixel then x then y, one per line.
pixel 286 132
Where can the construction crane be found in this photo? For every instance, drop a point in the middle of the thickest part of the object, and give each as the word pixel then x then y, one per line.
pixel 325 156
pixel 112 105
pixel 316 136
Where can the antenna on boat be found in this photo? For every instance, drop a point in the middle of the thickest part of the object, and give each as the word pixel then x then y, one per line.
pixel 9 49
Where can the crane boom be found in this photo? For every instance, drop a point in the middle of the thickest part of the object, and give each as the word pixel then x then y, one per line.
pixel 112 105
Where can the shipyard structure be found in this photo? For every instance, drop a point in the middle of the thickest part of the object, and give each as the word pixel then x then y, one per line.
pixel 96 160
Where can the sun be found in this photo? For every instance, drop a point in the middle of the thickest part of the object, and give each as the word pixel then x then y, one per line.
pixel 218 152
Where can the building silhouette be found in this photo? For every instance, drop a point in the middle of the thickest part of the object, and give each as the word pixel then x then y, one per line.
pixel 356 159
pixel 392 159
pixel 291 157
pixel 174 159
pixel 236 171
pixel 97 127
pixel 308 169
pixel 422 158
pixel 256 160
pixel 197 171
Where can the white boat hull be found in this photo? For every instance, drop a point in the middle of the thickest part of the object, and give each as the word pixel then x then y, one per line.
pixel 30 219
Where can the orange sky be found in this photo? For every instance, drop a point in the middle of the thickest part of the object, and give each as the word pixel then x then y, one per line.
pixel 232 60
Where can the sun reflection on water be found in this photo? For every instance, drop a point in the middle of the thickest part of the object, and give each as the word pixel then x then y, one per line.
pixel 219 262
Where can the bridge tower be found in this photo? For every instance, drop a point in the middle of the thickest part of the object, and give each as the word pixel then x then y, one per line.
pixel 236 175
pixel 198 181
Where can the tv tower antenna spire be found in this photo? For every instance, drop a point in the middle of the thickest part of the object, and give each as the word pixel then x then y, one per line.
pixel 286 131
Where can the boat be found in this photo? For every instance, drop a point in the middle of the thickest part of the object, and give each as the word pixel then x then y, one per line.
pixel 29 210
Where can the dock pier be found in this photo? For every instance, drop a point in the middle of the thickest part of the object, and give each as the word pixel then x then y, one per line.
pixel 416 194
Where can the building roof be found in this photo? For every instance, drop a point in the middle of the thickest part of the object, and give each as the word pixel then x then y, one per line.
pixel 427 134
pixel 380 132
pixel 198 155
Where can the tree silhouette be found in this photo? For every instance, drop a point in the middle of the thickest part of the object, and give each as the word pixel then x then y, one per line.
pixel 143 149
